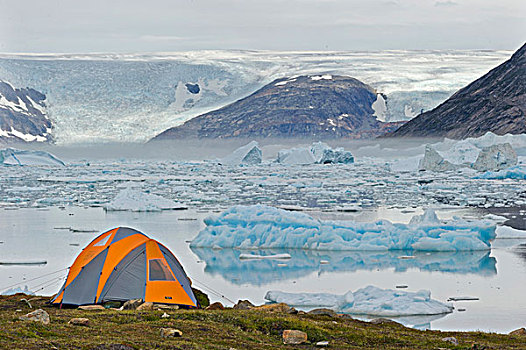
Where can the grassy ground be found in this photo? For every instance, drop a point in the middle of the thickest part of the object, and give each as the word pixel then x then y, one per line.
pixel 219 329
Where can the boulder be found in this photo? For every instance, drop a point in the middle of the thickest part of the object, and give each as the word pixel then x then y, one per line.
pixel 166 307
pixel 79 321
pixel 324 312
pixel 215 306
pixel 292 336
pixel 279 308
pixel 145 306
pixel 91 307
pixel 243 305
pixel 170 333
pixel 131 304
pixel 496 157
pixel 521 332
pixel 37 316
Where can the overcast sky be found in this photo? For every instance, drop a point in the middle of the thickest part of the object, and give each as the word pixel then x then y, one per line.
pixel 181 25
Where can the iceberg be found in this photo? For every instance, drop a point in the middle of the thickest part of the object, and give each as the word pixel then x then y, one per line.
pixel 370 300
pixel 16 290
pixel 129 199
pixel 318 153
pixel 249 154
pixel 13 156
pixel 486 153
pixel 261 226
pixel 496 157
pixel 517 172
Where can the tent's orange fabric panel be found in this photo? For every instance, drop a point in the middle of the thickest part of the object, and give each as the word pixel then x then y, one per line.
pixel 91 251
pixel 58 299
pixel 170 292
pixel 116 252
pixel 167 292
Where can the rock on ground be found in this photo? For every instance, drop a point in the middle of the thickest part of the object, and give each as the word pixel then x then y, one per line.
pixel 170 333
pixel 243 305
pixel 521 332
pixel 215 306
pixel 91 307
pixel 145 306
pixel 451 340
pixel 79 321
pixel 131 304
pixel 37 316
pixel 292 336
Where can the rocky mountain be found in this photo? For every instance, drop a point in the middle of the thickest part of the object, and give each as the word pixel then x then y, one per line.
pixel 23 115
pixel 322 106
pixel 495 102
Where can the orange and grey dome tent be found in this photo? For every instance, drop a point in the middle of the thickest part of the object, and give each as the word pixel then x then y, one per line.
pixel 123 264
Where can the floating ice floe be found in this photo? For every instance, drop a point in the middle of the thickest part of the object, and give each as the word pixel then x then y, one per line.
pixel 16 290
pixel 129 199
pixel 370 300
pixel 12 156
pixel 249 154
pixel 509 232
pixel 263 257
pixel 319 153
pixel 261 226
pixel 517 172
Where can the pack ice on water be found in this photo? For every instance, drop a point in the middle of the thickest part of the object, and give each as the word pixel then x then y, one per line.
pixel 370 300
pixel 261 226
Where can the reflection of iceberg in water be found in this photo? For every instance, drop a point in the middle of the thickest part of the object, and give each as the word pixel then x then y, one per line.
pixel 226 263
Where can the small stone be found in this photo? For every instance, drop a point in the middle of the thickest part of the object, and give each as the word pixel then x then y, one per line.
pixel 165 315
pixel 91 307
pixel 521 332
pixel 37 316
pixel 323 312
pixel 170 333
pixel 322 344
pixel 451 340
pixel 243 305
pixel 131 304
pixel 215 306
pixel 79 321
pixel 145 306
pixel 292 336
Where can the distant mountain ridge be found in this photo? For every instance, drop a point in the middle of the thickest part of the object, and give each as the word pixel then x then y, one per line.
pixel 320 106
pixel 495 102
pixel 23 115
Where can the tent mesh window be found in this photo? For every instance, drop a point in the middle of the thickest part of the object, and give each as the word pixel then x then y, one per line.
pixel 159 271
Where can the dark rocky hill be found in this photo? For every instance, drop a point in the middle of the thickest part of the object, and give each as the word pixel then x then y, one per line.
pixel 495 102
pixel 22 115
pixel 302 107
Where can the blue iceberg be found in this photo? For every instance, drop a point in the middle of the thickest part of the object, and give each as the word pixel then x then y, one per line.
pixel 264 227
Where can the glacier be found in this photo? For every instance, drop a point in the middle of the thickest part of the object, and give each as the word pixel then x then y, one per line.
pixel 370 300
pixel 261 226
pixel 133 97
